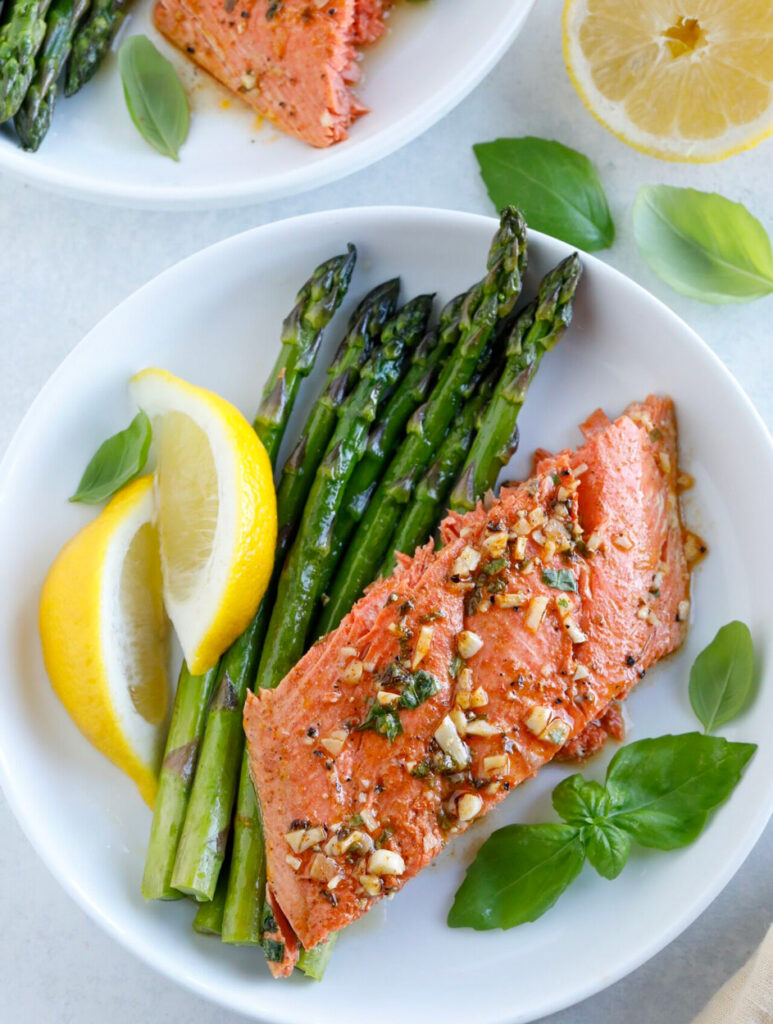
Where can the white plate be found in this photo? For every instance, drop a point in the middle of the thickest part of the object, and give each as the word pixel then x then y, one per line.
pixel 215 319
pixel 433 55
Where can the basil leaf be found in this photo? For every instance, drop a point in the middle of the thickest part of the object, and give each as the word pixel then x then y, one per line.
pixel 606 847
pixel 721 676
pixel 519 873
pixel 557 189
pixel 661 790
pixel 117 461
pixel 580 802
pixel 702 244
pixel 418 688
pixel 560 579
pixel 154 95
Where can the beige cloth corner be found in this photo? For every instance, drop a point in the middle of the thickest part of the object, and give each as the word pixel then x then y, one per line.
pixel 747 997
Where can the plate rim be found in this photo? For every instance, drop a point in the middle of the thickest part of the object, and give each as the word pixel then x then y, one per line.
pixel 24 167
pixel 26 820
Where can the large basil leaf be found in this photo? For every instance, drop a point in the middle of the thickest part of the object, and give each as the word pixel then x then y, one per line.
pixel 661 790
pixel 556 188
pixel 702 244
pixel 519 873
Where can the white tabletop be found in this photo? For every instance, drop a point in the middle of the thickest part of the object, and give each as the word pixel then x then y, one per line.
pixel 64 264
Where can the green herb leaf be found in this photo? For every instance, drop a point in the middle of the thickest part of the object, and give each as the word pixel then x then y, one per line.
pixel 560 579
pixel 661 790
pixel 702 244
pixel 606 847
pixel 557 188
pixel 384 720
pixel 519 873
pixel 154 95
pixel 721 676
pixel 117 461
pixel 420 687
pixel 273 950
pixel 580 802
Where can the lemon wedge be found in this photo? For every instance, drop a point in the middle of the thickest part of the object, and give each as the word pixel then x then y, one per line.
pixel 691 82
pixel 216 513
pixel 105 634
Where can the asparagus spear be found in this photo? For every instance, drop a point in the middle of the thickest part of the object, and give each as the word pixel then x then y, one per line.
pixel 174 785
pixel 299 582
pixel 200 852
pixel 313 962
pixel 209 915
pixel 535 332
pixel 315 304
pixel 480 455
pixel 33 117
pixel 413 389
pixel 241 922
pixel 21 36
pixel 430 499
pixel 92 41
pixel 387 433
pixel 493 298
pixel 368 320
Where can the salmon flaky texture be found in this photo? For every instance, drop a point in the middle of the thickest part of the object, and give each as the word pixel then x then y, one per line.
pixel 292 61
pixel 457 678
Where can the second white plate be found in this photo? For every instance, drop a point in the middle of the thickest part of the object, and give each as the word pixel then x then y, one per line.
pixel 433 55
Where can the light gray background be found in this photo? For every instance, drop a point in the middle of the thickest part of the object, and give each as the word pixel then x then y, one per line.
pixel 64 264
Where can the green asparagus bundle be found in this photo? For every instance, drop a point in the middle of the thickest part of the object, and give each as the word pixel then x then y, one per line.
pixel 92 42
pixel 494 298
pixel 33 118
pixel 21 36
pixel 315 305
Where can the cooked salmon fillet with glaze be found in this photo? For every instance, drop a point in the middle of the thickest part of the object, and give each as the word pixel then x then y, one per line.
pixel 293 61
pixel 471 667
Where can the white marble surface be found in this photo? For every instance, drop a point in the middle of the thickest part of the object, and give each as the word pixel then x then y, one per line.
pixel 64 264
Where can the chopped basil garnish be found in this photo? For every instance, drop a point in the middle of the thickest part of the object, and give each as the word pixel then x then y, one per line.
pixel 273 950
pixel 560 579
pixel 414 687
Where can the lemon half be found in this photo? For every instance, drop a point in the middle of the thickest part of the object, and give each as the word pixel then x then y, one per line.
pixel 216 513
pixel 105 634
pixel 680 81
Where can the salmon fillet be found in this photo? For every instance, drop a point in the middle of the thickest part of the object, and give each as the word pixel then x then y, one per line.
pixel 456 679
pixel 293 61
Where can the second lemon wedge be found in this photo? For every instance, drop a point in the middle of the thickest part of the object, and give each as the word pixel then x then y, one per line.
pixel 216 513
pixel 104 634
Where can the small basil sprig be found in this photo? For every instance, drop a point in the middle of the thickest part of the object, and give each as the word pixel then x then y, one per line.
pixel 721 676
pixel 557 189
pixel 658 792
pixel 154 95
pixel 702 244
pixel 117 461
